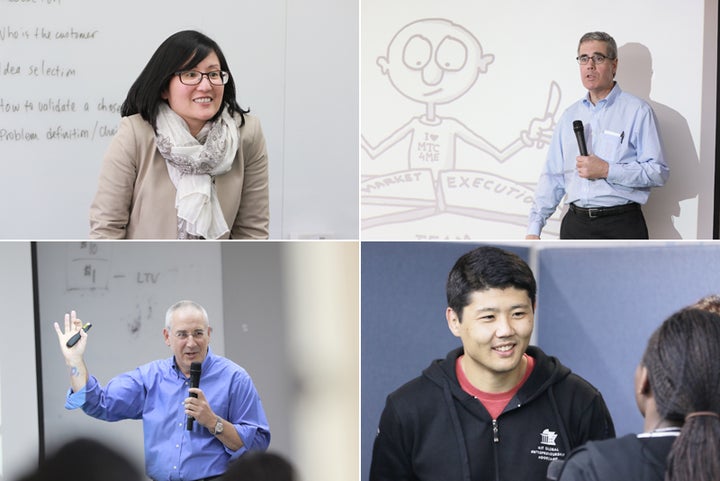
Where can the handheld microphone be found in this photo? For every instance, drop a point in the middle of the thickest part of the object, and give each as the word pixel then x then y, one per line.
pixel 580 135
pixel 195 369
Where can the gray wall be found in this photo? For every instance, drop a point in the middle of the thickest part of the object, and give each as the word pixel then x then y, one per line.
pixel 255 328
pixel 18 402
pixel 292 320
pixel 598 306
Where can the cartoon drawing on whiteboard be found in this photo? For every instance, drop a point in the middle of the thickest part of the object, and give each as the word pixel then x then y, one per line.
pixel 434 61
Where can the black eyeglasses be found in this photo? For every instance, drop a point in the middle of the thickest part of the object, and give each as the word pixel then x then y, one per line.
pixel 598 58
pixel 193 77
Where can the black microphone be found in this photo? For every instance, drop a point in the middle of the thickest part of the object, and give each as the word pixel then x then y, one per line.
pixel 195 369
pixel 580 135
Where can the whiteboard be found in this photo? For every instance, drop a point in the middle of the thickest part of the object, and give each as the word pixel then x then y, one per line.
pixel 124 289
pixel 66 67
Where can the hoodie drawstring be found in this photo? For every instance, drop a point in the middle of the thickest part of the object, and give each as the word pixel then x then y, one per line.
pixel 457 428
pixel 566 438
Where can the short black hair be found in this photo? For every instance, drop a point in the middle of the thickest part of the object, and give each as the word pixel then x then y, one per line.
pixel 486 268
pixel 260 466
pixel 100 462
pixel 181 50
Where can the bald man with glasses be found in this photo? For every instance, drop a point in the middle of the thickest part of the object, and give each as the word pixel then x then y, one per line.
pixel 228 419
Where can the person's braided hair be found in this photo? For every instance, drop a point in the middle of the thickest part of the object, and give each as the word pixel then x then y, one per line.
pixel 682 359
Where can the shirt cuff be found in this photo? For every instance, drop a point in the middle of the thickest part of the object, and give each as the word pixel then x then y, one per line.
pixel 243 449
pixel 614 171
pixel 534 228
pixel 75 400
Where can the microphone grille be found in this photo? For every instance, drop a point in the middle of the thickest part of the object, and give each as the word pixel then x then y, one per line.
pixel 578 125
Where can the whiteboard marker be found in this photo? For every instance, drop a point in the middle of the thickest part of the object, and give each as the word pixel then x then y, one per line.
pixel 73 340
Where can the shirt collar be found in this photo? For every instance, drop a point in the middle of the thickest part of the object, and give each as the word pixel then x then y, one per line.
pixel 206 363
pixel 614 94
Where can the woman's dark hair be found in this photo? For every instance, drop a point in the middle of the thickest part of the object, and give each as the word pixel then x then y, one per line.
pixel 684 375
pixel 487 268
pixel 180 51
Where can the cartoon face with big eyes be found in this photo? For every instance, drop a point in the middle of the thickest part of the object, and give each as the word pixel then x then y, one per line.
pixel 434 61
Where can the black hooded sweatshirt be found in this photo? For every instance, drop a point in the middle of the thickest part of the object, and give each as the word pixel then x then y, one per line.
pixel 432 430
pixel 629 458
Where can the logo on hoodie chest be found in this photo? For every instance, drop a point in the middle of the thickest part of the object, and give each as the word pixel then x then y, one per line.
pixel 547 450
pixel 548 437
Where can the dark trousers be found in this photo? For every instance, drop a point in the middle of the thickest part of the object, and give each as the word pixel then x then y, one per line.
pixel 625 223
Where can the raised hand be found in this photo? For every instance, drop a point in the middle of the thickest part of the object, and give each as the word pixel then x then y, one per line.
pixel 73 325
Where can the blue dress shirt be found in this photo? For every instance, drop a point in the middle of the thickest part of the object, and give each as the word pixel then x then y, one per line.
pixel 155 393
pixel 621 130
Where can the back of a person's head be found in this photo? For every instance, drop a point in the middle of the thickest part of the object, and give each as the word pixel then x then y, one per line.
pixel 682 359
pixel 85 460
pixel 486 268
pixel 260 466
pixel 709 303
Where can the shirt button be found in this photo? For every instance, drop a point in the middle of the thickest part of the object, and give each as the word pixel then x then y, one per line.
pixel 177 445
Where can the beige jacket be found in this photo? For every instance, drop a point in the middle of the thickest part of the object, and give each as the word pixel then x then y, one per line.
pixel 135 198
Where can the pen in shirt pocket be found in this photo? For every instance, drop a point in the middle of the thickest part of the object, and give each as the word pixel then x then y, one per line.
pixel 621 135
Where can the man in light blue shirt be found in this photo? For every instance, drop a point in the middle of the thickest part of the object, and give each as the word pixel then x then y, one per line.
pixel 605 188
pixel 228 416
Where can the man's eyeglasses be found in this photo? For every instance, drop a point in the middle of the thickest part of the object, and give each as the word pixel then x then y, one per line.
pixel 598 58
pixel 193 77
pixel 182 335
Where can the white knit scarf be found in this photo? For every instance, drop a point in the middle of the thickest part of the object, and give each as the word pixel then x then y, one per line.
pixel 192 164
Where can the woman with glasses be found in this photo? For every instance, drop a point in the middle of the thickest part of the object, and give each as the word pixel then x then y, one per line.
pixel 187 161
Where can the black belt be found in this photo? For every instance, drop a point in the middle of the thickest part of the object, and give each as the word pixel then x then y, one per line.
pixel 593 212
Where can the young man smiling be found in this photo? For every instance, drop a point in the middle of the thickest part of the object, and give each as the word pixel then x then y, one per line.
pixel 495 408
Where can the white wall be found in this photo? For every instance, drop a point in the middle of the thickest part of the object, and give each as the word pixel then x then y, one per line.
pixel 322 120
pixel 19 446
